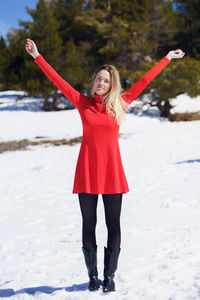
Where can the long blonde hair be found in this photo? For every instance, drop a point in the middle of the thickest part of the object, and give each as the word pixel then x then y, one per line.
pixel 115 104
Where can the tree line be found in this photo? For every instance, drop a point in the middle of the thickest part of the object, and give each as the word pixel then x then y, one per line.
pixel 77 36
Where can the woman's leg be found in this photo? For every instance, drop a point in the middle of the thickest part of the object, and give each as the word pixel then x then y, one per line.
pixel 112 205
pixel 88 205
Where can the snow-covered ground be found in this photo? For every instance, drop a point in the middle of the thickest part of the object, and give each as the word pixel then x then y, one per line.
pixel 40 220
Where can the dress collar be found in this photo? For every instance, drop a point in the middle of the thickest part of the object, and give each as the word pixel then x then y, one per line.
pixel 99 98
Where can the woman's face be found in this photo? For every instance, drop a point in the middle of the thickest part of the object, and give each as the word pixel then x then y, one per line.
pixel 102 83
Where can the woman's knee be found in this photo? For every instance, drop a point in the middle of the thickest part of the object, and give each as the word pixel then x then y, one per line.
pixel 113 227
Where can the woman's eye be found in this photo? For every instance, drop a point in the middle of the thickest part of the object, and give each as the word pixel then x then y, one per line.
pixel 99 79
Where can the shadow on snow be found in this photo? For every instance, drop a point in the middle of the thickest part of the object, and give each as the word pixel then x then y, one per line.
pixel 5 293
pixel 190 161
pixel 31 105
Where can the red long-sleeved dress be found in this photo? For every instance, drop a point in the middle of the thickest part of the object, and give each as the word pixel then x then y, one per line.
pixel 99 168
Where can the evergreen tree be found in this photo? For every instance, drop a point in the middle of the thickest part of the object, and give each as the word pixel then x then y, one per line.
pixel 162 19
pixel 66 11
pixel 2 60
pixel 2 43
pixel 57 46
pixel 189 26
pixel 12 60
pixel 127 33
pixel 76 36
pixel 77 42
pixel 118 29
pixel 43 30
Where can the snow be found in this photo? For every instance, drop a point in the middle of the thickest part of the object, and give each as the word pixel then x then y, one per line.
pixel 183 103
pixel 30 121
pixel 40 220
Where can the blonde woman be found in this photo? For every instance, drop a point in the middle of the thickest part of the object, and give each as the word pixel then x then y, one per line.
pixel 99 168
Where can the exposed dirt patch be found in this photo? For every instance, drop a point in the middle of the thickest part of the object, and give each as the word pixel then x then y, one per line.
pixel 23 144
pixel 184 117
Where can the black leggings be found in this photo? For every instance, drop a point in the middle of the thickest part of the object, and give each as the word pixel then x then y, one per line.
pixel 112 206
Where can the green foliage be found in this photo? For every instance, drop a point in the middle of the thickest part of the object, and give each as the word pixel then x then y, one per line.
pixel 2 43
pixel 189 26
pixel 117 28
pixel 12 60
pixel 77 66
pixel 44 31
pixel 76 36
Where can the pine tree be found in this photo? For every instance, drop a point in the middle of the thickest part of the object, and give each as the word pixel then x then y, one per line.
pixel 127 33
pixel 118 29
pixel 162 19
pixel 43 30
pixel 189 26
pixel 2 61
pixel 2 43
pixel 12 60
pixel 76 36
pixel 77 42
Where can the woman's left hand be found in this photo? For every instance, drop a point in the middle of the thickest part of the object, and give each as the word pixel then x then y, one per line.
pixel 175 54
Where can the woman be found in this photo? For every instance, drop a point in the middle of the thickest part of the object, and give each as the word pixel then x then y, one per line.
pixel 99 167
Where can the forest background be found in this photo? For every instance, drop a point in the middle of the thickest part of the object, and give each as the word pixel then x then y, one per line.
pixel 77 36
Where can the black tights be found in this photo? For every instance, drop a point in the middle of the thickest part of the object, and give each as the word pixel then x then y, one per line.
pixel 112 206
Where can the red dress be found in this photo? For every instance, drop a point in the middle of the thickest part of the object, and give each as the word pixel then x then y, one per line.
pixel 99 168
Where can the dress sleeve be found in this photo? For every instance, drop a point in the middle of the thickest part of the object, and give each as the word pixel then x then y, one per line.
pixel 140 85
pixel 70 93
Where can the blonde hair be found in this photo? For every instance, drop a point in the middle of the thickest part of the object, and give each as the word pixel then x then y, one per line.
pixel 115 104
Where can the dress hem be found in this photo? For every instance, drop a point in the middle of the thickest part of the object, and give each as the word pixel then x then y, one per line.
pixel 100 193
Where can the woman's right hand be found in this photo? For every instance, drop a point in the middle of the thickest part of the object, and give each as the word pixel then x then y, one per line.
pixel 31 48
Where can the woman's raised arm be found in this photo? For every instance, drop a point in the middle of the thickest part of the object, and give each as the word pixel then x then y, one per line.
pixel 71 94
pixel 130 95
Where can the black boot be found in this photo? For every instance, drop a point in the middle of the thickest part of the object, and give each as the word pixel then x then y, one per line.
pixel 110 267
pixel 91 263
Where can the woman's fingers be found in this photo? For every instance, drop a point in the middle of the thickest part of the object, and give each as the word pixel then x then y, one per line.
pixel 30 41
pixel 29 45
pixel 178 53
pixel 31 48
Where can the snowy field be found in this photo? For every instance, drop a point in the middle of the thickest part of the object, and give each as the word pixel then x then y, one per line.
pixel 40 220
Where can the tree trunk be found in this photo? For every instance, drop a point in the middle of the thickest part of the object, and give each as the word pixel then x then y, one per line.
pixel 51 102
pixel 164 107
